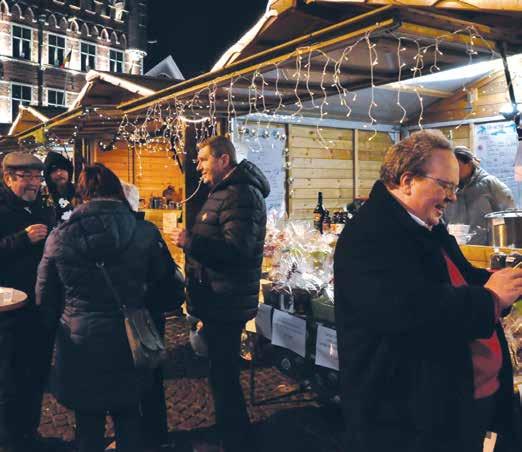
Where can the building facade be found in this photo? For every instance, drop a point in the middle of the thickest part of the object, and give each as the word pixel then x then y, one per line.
pixel 47 47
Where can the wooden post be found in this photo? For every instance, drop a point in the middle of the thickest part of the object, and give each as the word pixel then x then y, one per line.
pixel 78 159
pixel 192 176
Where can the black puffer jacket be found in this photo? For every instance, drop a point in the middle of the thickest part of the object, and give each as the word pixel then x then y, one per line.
pixel 225 249
pixel 18 257
pixel 94 368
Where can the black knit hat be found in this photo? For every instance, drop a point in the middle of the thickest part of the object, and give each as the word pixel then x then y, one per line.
pixel 55 161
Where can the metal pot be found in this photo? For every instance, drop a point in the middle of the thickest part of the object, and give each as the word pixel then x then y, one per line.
pixel 505 228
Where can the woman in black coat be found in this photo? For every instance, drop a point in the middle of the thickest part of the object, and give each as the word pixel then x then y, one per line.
pixel 94 370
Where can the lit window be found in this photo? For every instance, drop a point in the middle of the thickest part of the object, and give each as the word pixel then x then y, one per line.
pixel 88 56
pixel 22 42
pixel 20 95
pixel 55 98
pixel 56 49
pixel 116 61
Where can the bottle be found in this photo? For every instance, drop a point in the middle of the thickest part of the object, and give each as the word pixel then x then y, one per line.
pixel 319 213
pixel 327 222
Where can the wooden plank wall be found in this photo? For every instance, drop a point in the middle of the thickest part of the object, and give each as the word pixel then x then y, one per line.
pixel 312 168
pixel 483 98
pixel 151 172
pixel 370 157
pixel 458 137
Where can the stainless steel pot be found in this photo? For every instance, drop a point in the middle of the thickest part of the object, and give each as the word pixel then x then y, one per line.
pixel 505 228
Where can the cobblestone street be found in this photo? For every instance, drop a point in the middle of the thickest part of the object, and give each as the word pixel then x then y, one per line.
pixel 297 423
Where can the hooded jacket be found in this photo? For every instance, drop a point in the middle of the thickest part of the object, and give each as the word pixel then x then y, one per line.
pixel 225 248
pixel 94 368
pixel 62 202
pixel 482 194
pixel 19 258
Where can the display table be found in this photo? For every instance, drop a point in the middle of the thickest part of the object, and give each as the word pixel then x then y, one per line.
pixel 19 300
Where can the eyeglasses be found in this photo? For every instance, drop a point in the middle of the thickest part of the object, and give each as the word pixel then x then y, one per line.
pixel 28 176
pixel 449 187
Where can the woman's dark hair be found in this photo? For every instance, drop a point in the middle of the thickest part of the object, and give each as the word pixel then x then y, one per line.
pixel 98 181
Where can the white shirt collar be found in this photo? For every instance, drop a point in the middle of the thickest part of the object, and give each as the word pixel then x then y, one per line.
pixel 419 221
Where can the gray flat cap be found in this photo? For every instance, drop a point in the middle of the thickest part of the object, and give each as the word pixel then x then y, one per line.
pixel 21 160
pixel 463 151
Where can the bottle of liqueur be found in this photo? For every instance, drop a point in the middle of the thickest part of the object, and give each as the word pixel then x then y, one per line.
pixel 319 213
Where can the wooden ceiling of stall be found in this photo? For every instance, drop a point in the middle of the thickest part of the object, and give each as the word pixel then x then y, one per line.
pixel 385 24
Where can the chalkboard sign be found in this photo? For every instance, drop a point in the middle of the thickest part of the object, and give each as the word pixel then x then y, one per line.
pixel 265 147
pixel 496 146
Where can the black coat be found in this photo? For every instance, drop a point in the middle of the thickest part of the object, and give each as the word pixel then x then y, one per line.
pixel 18 257
pixel 404 333
pixel 94 368
pixel 225 249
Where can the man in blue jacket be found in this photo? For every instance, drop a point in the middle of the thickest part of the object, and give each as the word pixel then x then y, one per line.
pixel 423 357
pixel 224 251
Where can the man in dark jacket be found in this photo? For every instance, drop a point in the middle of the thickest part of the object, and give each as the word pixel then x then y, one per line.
pixel 58 173
pixel 224 252
pixel 24 345
pixel 423 358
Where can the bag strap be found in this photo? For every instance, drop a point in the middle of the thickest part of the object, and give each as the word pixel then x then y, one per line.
pixel 108 280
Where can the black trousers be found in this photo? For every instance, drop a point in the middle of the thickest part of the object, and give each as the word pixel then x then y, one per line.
pixel 90 429
pixel 232 422
pixel 153 405
pixel 25 360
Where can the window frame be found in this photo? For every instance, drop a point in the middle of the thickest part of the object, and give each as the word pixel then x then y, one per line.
pixel 21 39
pixel 116 62
pixel 58 62
pixel 87 67
pixel 20 100
pixel 56 91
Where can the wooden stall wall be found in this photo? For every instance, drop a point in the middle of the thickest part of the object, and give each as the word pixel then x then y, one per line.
pixel 480 99
pixel 312 168
pixel 370 155
pixel 349 168
pixel 150 171
pixel 460 136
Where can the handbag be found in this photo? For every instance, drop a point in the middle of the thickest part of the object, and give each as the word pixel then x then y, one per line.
pixel 146 345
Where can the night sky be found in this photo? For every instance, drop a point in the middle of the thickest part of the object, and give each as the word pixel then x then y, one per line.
pixel 197 32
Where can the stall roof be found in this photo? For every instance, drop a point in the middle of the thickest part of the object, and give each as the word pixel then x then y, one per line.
pixel 284 20
pixel 111 88
pixel 385 25
pixel 30 116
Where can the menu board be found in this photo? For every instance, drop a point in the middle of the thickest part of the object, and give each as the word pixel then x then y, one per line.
pixel 496 146
pixel 265 147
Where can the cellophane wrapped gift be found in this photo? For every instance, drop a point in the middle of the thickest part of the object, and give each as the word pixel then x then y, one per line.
pixel 302 264
pixel 513 329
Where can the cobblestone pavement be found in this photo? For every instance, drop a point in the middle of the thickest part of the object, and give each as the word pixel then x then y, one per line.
pixel 297 423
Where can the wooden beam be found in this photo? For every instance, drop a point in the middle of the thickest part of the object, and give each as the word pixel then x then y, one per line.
pixel 411 88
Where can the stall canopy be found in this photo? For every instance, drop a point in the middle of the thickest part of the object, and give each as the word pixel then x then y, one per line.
pixel 31 116
pixel 278 70
pixel 94 111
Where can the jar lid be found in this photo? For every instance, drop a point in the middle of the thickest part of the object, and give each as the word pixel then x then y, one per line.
pixel 510 213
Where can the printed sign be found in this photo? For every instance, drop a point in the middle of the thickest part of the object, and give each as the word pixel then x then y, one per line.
pixel 326 348
pixel 289 331
pixel 264 321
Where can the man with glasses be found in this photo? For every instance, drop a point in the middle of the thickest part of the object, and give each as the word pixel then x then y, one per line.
pixel 480 193
pixel 25 347
pixel 423 357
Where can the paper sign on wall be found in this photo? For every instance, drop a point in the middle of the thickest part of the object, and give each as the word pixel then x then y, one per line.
pixel 289 331
pixel 326 348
